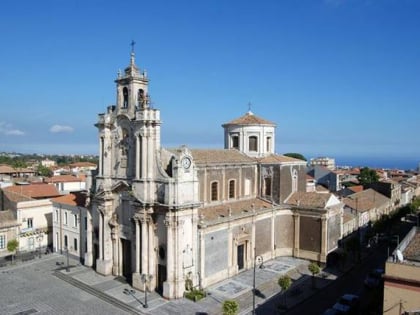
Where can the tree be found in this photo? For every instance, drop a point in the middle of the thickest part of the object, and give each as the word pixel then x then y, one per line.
pixel 367 176
pixel 284 282
pixel 44 171
pixel 12 245
pixel 230 307
pixel 314 269
pixel 296 156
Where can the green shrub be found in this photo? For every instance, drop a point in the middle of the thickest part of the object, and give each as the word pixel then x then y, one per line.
pixel 195 295
pixel 230 307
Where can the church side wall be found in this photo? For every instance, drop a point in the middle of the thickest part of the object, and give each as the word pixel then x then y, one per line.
pixel 216 259
pixel 284 232
pixel 263 234
pixel 334 232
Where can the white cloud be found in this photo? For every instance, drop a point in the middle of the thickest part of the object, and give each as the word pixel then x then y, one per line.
pixel 7 130
pixel 61 128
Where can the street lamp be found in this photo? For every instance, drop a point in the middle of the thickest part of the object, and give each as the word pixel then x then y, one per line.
pixel 145 278
pixel 260 260
pixel 68 264
pixel 40 238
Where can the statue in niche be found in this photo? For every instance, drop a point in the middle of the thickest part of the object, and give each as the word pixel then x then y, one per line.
pixel 141 99
pixel 124 144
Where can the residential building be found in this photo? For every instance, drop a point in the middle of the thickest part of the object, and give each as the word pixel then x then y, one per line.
pixel 70 222
pixel 8 230
pixel 67 183
pixel 402 277
pixel 32 208
pixel 323 161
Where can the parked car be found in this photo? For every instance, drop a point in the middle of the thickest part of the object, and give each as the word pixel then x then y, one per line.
pixel 332 311
pixel 374 278
pixel 347 304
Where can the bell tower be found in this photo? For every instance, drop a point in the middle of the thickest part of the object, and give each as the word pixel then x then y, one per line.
pixel 132 88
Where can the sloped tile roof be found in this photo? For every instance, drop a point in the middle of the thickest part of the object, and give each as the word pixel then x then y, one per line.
pixel 72 199
pixel 365 200
pixel 276 158
pixel 83 164
pixel 6 169
pixel 309 199
pixel 236 207
pixel 249 119
pixel 63 179
pixel 356 189
pixel 219 156
pixel 36 191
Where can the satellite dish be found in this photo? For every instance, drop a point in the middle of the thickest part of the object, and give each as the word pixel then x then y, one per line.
pixel 400 256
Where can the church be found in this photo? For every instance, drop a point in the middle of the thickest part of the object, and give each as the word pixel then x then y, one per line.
pixel 167 219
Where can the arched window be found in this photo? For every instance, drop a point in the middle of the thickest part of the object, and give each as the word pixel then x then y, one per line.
pixel 214 191
pixel 235 142
pixel 294 181
pixel 268 144
pixel 267 186
pixel 125 95
pixel 253 143
pixel 232 188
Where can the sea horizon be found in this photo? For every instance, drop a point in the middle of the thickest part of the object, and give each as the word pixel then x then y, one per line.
pixel 403 163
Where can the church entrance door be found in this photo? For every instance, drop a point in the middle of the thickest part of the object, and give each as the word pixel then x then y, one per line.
pixel 126 253
pixel 241 256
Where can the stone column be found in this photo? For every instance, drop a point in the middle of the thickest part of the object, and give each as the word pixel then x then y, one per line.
pixel 324 239
pixel 138 165
pixel 101 235
pixel 151 255
pixel 115 256
pixel 169 284
pixel 144 244
pixel 89 241
pixel 136 275
pixel 296 218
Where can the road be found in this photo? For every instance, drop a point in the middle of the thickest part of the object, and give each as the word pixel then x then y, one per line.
pixel 351 282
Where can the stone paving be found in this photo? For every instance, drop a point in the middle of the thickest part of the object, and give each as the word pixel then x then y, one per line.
pixel 44 286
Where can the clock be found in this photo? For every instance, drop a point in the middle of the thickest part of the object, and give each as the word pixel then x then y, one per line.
pixel 186 162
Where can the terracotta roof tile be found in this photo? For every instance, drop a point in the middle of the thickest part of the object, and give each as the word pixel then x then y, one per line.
pixel 72 199
pixel 83 164
pixel 357 188
pixel 236 207
pixel 6 169
pixel 63 179
pixel 36 191
pixel 309 199
pixel 219 156
pixel 249 119
pixel 276 158
pixel 365 200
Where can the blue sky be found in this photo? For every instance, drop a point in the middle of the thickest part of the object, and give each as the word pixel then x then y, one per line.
pixel 340 78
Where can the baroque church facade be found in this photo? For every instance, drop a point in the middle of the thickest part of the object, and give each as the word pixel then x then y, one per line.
pixel 166 218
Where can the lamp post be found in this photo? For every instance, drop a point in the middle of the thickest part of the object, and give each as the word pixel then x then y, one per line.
pixel 40 238
pixel 68 264
pixel 257 259
pixel 145 278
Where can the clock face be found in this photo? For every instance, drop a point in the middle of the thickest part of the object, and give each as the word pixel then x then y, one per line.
pixel 186 162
